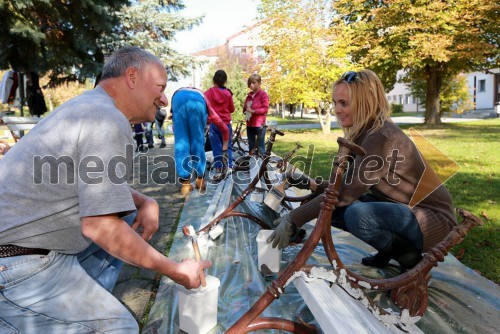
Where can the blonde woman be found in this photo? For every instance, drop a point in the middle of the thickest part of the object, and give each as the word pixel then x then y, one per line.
pixel 384 200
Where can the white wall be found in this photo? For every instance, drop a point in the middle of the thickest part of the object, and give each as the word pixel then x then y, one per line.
pixel 400 94
pixel 484 98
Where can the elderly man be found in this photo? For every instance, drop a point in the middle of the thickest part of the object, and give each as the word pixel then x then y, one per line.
pixel 63 187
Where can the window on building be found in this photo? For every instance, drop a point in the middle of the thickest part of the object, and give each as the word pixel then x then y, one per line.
pixel 240 49
pixel 415 100
pixel 482 86
pixel 408 99
pixel 394 98
pixel 401 99
pixel 389 97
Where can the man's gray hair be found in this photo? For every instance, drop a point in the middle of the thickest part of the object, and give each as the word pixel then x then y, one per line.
pixel 129 56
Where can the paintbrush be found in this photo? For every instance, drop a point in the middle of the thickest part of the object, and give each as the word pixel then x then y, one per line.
pixel 190 232
pixel 275 196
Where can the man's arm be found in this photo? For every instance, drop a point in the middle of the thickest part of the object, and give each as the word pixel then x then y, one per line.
pixel 118 239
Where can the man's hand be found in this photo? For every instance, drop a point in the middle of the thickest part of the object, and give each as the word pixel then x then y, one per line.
pixel 282 234
pixel 188 272
pixel 147 220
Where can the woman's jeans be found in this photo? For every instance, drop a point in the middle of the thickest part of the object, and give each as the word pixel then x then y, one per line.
pixel 255 134
pixel 55 293
pixel 216 142
pixel 376 222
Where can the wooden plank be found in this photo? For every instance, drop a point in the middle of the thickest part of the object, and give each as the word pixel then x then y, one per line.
pixel 21 120
pixel 20 127
pixel 337 312
pixel 219 202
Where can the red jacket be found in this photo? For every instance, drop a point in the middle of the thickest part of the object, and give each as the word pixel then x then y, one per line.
pixel 213 118
pixel 221 100
pixel 260 103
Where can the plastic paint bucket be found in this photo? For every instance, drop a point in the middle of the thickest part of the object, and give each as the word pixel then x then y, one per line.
pixel 267 254
pixel 198 307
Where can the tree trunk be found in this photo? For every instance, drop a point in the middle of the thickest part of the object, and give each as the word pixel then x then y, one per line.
pixel 434 83
pixel 326 123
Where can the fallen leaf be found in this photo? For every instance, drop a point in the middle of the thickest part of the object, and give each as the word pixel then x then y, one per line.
pixel 460 253
pixel 477 272
pixel 485 215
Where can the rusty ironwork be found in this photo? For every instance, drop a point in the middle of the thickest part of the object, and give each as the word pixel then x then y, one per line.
pixel 262 169
pixel 408 290
pixel 261 175
pixel 237 139
pixel 4 147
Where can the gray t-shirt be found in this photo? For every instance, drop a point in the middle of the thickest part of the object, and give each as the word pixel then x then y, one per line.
pixel 74 163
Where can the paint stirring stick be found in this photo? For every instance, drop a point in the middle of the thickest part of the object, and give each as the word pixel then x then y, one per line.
pixel 190 232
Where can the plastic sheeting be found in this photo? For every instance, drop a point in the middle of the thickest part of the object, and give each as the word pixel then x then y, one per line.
pixel 460 301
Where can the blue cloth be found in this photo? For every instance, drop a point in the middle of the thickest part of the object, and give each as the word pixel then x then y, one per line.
pixel 253 136
pixel 375 222
pixel 61 293
pixel 189 113
pixel 216 142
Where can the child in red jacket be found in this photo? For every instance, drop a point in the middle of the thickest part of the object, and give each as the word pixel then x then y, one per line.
pixel 255 110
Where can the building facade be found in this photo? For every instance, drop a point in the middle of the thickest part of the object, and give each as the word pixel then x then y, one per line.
pixel 484 89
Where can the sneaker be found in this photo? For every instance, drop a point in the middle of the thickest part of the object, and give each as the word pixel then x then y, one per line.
pixel 186 188
pixel 200 184
pixel 151 145
pixel 162 145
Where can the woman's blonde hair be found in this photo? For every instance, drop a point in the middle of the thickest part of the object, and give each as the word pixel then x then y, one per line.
pixel 369 105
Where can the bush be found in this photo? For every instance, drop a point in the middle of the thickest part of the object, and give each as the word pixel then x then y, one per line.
pixel 396 108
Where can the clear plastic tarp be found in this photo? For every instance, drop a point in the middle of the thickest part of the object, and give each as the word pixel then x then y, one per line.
pixel 460 300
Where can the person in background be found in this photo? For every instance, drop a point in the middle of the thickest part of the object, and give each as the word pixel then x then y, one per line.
pixel 190 112
pixel 385 198
pixel 149 134
pixel 161 115
pixel 53 277
pixel 221 100
pixel 139 130
pixel 255 110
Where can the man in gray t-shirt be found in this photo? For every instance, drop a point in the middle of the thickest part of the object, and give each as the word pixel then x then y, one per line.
pixel 64 186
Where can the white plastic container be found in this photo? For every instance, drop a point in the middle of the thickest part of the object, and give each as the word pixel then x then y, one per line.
pixel 198 307
pixel 267 254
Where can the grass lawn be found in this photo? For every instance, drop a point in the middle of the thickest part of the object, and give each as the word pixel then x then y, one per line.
pixel 474 146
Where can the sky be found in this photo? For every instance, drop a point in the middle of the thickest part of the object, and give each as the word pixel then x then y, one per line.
pixel 223 18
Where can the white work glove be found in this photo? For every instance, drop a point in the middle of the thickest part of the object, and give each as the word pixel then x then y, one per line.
pixel 283 232
pixel 248 115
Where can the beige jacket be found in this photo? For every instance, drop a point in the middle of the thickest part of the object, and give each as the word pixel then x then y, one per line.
pixel 393 170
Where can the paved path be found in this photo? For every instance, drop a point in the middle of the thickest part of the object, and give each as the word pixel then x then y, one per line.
pixel 397 120
pixel 136 287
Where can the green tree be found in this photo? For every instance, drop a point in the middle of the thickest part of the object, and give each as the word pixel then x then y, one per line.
pixel 43 36
pixel 302 57
pixel 69 40
pixel 152 25
pixel 431 40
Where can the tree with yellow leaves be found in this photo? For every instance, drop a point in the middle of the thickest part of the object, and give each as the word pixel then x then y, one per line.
pixel 430 39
